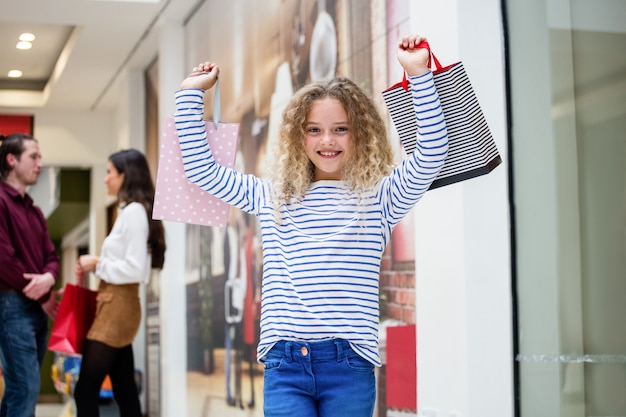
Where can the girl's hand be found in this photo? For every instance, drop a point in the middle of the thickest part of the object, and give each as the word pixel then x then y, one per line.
pixel 202 76
pixel 414 60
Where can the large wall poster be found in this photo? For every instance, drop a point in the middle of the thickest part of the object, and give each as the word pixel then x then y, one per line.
pixel 266 51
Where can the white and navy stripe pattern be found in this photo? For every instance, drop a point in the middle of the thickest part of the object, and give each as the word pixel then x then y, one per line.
pixel 472 151
pixel 321 259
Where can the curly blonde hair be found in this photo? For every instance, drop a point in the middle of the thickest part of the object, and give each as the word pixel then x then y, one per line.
pixel 292 171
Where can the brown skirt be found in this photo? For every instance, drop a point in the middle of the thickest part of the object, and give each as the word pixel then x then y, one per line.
pixel 118 315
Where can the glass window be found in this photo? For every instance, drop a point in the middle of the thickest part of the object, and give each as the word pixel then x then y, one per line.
pixel 568 116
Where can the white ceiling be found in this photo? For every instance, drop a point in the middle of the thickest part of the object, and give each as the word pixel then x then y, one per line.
pixel 81 48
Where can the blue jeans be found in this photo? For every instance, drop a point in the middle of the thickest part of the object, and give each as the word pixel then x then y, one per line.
pixel 23 344
pixel 320 379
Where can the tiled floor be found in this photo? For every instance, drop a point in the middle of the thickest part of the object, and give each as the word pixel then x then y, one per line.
pixel 51 410
pixel 66 410
pixel 206 395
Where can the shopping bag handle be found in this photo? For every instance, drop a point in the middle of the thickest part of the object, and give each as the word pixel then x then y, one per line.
pixel 216 98
pixel 216 104
pixel 438 67
pixel 79 280
pixel 79 283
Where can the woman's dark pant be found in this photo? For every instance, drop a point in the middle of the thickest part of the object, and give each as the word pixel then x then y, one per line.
pixel 100 360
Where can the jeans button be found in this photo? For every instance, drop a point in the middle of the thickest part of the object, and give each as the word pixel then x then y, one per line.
pixel 304 351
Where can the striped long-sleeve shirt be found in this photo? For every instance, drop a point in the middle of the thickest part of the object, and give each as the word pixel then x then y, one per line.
pixel 321 254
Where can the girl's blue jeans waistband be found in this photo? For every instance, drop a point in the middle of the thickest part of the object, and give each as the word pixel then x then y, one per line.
pixel 332 349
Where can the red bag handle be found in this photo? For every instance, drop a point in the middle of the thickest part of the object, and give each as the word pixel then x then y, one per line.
pixel 438 67
pixel 79 281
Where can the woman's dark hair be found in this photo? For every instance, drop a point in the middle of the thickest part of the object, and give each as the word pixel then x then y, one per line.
pixel 11 144
pixel 138 187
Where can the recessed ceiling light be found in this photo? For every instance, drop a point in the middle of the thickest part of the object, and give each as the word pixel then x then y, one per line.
pixel 27 37
pixel 24 45
pixel 14 74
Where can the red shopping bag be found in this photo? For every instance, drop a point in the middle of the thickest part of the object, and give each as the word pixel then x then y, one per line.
pixel 73 320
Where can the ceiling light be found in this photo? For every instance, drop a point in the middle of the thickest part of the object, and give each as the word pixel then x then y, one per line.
pixel 24 45
pixel 27 37
pixel 14 74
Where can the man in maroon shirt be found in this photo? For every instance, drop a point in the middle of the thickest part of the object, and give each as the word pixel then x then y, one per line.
pixel 28 270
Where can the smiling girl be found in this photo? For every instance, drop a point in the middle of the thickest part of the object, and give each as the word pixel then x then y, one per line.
pixel 326 215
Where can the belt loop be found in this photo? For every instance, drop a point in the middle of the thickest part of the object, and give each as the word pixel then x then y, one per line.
pixel 339 345
pixel 288 351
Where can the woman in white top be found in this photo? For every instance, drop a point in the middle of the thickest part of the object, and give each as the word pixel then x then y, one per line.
pixel 135 245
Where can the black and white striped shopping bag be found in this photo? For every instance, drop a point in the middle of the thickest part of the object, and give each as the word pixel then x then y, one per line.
pixel 472 150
